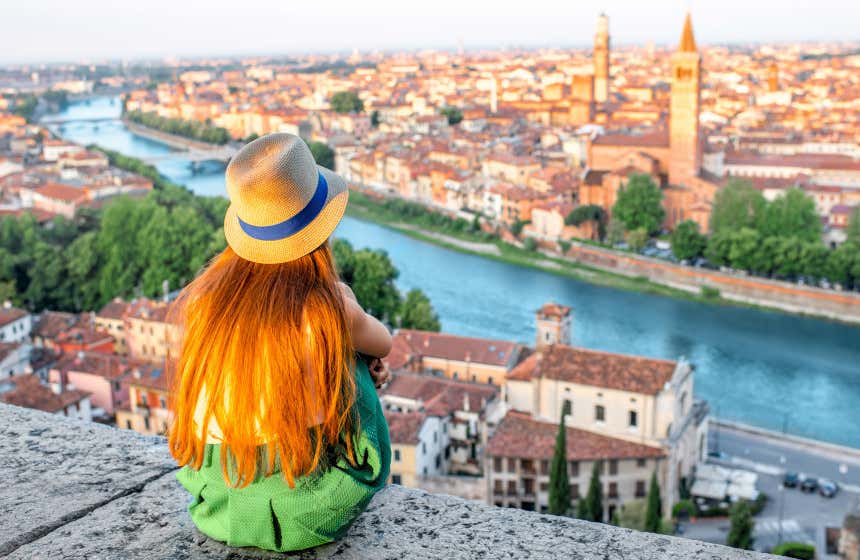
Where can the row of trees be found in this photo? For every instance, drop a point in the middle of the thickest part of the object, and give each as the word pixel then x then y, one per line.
pixel 346 102
pixel 642 516
pixel 132 246
pixel 195 130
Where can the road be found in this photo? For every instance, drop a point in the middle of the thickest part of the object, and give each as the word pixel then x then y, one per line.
pixel 802 517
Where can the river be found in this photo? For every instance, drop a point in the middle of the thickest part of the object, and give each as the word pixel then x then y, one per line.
pixel 764 368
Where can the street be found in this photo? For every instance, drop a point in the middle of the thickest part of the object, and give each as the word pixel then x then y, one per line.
pixel 803 516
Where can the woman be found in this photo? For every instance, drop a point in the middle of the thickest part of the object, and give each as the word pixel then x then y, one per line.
pixel 276 419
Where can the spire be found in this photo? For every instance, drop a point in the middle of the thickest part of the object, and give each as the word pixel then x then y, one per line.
pixel 688 42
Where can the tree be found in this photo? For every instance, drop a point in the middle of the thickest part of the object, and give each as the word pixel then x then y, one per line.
pixel 653 514
pixel 852 232
pixel 616 232
pixel 743 248
pixel 639 204
pixel 687 242
pixel 453 114
pixel 416 312
pixel 346 102
pixel 791 215
pixel 631 515
pixel 588 213
pixel 637 238
pixel 530 244
pixel 741 526
pixel 559 483
pixel 737 205
pixel 591 508
pixel 323 154
pixel 719 245
pixel 374 118
pixel 840 263
pixel 517 227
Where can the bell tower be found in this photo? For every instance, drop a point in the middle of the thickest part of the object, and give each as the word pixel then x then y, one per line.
pixel 553 325
pixel 601 60
pixel 685 143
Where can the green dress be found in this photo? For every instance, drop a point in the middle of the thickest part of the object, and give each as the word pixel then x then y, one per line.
pixel 269 514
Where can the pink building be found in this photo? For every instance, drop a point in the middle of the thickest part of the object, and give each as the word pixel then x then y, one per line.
pixel 105 376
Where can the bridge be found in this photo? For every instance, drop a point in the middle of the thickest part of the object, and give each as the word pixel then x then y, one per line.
pixel 60 120
pixel 194 155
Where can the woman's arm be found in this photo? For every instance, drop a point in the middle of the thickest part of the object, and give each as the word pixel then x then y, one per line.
pixel 369 335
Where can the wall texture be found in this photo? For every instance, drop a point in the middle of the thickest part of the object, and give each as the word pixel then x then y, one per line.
pixel 75 490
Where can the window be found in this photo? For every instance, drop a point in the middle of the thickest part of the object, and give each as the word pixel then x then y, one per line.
pixel 529 486
pixel 396 455
pixel 544 467
pixel 162 402
pixel 423 448
pixel 574 468
pixel 490 380
pixel 512 488
pixel 497 464
pixel 498 487
pixel 438 461
pixel 599 413
pixel 613 489
pixel 395 479
pixel 435 437
pixel 613 466
pixel 146 423
pixel 512 465
pixel 567 405
pixel 633 419
pixel 574 491
pixel 128 424
pixel 640 488
pixel 544 486
pixel 640 463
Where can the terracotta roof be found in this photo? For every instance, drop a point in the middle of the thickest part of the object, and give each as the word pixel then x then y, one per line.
pixel 441 396
pixel 58 191
pixel 595 368
pixel 652 139
pixel 26 390
pixel 148 310
pixel 151 376
pixel 114 310
pixel 51 323
pixel 108 366
pixel 86 335
pixel 688 42
pixel 460 348
pixel 554 310
pixel 403 427
pixel 519 435
pixel 10 315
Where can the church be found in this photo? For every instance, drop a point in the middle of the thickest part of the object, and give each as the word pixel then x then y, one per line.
pixel 672 155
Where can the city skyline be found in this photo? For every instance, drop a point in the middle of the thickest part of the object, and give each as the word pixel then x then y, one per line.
pixel 31 35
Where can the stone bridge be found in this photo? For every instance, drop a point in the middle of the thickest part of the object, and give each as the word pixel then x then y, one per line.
pixel 75 490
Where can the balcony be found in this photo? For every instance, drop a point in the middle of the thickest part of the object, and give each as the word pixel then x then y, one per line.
pixel 83 490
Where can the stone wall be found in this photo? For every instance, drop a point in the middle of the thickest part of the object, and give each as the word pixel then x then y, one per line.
pixel 832 304
pixel 75 490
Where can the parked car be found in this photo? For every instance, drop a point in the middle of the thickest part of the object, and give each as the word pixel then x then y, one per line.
pixel 827 488
pixel 809 484
pixel 791 479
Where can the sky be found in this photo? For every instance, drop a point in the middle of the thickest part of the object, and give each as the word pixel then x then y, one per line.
pixel 69 30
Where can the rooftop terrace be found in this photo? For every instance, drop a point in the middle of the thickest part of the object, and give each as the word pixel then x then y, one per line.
pixel 80 490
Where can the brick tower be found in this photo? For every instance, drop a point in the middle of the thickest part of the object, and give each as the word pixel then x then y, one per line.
pixel 601 60
pixel 685 160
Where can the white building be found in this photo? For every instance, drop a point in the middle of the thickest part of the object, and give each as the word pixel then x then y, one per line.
pixel 15 324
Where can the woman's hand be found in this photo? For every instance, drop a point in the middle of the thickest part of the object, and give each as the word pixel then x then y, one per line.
pixel 379 372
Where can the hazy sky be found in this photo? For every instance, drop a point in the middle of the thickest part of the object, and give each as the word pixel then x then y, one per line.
pixel 57 30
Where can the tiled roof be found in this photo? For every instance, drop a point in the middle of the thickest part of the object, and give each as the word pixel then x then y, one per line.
pixel 654 139
pixel 104 365
pixel 554 310
pixel 403 427
pixel 595 368
pixel 51 323
pixel 441 396
pixel 151 376
pixel 85 335
pixel 519 435
pixel 113 310
pixel 460 348
pixel 148 310
pixel 10 314
pixel 26 390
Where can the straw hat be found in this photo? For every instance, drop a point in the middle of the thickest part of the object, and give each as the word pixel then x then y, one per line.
pixel 282 204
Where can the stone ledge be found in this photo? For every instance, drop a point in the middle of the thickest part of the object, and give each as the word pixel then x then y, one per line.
pixel 79 490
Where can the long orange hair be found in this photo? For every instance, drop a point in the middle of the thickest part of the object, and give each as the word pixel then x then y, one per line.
pixel 265 351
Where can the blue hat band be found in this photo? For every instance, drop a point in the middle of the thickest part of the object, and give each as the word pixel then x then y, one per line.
pixel 292 225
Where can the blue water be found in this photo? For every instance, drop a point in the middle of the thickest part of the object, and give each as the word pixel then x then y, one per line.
pixel 763 368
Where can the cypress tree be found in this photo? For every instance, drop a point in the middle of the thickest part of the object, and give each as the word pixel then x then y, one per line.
pixel 592 510
pixel 741 529
pixel 652 513
pixel 559 483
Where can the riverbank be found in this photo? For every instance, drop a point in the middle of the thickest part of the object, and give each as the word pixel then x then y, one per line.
pixel 168 139
pixel 627 271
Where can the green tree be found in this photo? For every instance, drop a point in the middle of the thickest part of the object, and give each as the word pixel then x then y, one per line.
pixel 687 242
pixel 841 262
pixel 559 483
pixel 639 204
pixel 719 246
pixel 416 312
pixel 791 215
pixel 323 154
pixel 653 514
pixel 530 244
pixel 374 118
pixel 852 232
pixel 744 248
pixel 637 238
pixel 813 260
pixel 346 102
pixel 615 234
pixel 517 227
pixel 787 258
pixel 737 205
pixel 453 114
pixel 588 213
pixel 591 508
pixel 741 526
